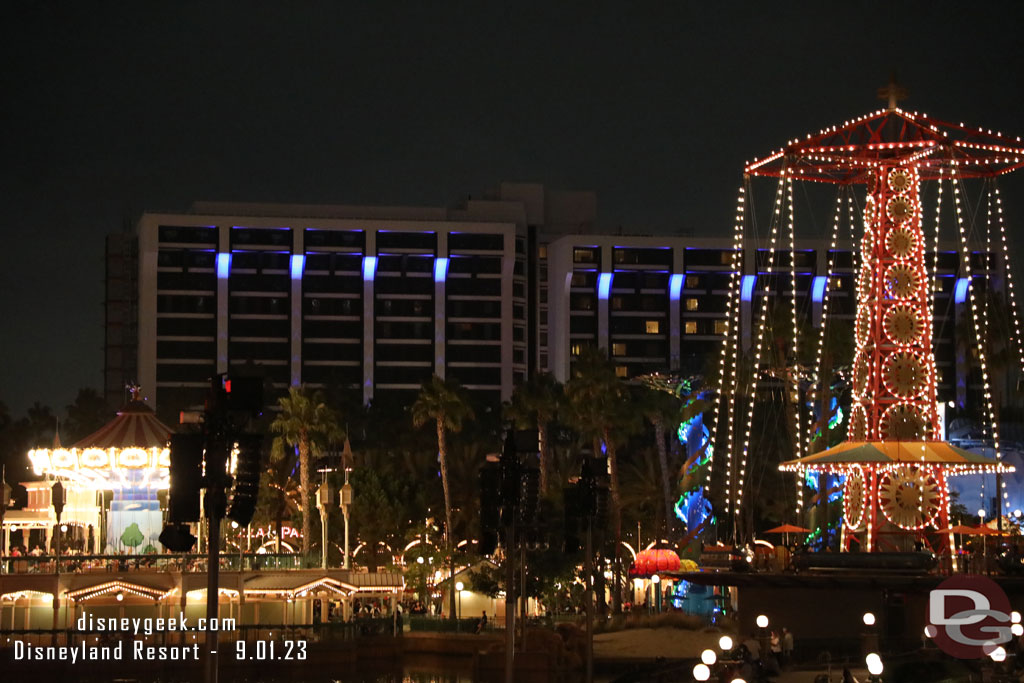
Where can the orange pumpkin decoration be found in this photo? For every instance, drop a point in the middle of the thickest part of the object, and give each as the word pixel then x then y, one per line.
pixel 656 560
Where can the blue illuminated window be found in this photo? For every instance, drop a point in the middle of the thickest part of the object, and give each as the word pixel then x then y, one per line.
pixel 369 268
pixel 747 287
pixel 818 289
pixel 223 266
pixel 604 285
pixel 298 263
pixel 675 287
pixel 960 292
pixel 440 269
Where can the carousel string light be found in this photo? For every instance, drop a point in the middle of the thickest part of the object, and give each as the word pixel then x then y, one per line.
pixel 1014 308
pixel 761 328
pixel 726 387
pixel 978 332
pixel 833 240
pixel 795 351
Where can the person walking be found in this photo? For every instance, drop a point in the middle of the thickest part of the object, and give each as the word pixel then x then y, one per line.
pixel 787 645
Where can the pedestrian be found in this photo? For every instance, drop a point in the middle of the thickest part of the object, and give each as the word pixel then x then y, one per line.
pixel 482 624
pixel 787 645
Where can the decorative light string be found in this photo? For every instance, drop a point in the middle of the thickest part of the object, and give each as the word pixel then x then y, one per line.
pixel 1014 308
pixel 798 430
pixel 833 240
pixel 762 324
pixel 727 386
pixel 966 253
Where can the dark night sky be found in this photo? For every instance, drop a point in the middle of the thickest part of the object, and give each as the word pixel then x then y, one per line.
pixel 114 108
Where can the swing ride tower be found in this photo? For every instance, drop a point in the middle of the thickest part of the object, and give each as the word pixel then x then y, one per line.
pixel 895 469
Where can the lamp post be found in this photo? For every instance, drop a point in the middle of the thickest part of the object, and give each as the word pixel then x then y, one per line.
pixel 5 496
pixel 323 499
pixel 984 541
pixel 459 586
pixel 346 503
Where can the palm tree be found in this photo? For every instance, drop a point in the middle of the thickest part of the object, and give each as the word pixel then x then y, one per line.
pixel 278 498
pixel 444 402
pixel 598 404
pixel 662 409
pixel 535 403
pixel 307 423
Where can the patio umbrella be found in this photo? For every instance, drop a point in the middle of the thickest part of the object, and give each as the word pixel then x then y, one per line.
pixel 788 529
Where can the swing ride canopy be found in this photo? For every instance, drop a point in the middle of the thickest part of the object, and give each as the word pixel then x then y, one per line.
pixel 882 453
pixel 844 154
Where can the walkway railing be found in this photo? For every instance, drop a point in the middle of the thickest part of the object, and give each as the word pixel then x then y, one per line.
pixel 187 562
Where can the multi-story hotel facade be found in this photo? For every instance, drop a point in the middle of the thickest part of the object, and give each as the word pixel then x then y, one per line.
pixel 381 298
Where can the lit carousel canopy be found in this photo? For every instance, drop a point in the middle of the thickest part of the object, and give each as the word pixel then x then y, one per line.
pixel 128 452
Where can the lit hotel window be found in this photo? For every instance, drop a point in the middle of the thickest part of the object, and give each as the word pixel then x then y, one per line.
pixel 691 327
pixel 721 326
pixel 653 327
pixel 692 281
pixel 621 371
pixel 617 303
pixel 619 349
pixel 691 304
pixel 576 349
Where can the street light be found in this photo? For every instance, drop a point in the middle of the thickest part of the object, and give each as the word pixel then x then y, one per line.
pixel 346 503
pixel 725 643
pixel 459 586
pixel 762 621
pixel 701 672
pixel 998 654
pixel 708 657
pixel 869 619
pixel 874 663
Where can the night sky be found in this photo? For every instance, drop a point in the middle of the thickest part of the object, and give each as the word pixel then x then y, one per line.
pixel 111 109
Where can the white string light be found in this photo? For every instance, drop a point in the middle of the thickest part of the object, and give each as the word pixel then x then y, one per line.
pixel 726 389
pixel 1014 308
pixel 798 431
pixel 966 257
pixel 833 240
pixel 762 324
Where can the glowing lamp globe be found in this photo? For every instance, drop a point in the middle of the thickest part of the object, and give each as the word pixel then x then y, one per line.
pixel 1017 630
pixel 998 654
pixel 708 657
pixel 725 642
pixel 874 663
pixel 869 619
pixel 701 672
pixel 656 560
pixel 737 680
pixel 762 621
pixel 655 579
pixel 459 586
pixel 1015 617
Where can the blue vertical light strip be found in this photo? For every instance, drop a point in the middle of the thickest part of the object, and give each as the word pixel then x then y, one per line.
pixel 369 268
pixel 223 266
pixel 675 287
pixel 747 287
pixel 960 290
pixel 298 263
pixel 441 269
pixel 818 289
pixel 604 285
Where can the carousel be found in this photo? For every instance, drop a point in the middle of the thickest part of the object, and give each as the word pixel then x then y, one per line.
pixel 112 480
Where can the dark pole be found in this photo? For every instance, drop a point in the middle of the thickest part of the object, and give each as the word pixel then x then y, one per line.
pixel 510 602
pixel 212 586
pixel 588 596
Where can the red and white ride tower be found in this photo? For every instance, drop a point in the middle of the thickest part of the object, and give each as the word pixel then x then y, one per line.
pixel 892 152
